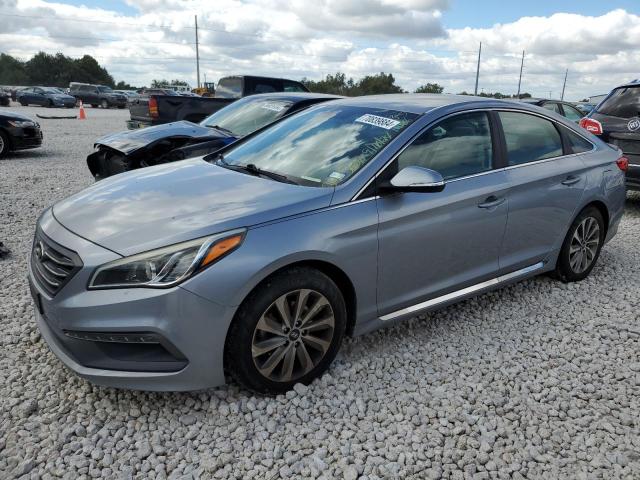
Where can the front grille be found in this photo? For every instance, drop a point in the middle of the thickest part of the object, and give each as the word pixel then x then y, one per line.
pixel 52 264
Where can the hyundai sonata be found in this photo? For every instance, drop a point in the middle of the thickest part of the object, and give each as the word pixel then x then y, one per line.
pixel 255 262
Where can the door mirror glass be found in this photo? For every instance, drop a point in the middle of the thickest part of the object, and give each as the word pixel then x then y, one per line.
pixel 416 179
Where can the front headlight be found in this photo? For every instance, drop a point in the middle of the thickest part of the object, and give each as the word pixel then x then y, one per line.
pixel 21 123
pixel 166 266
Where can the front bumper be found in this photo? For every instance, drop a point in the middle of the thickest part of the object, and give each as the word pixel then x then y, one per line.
pixel 66 103
pixel 75 323
pixel 24 138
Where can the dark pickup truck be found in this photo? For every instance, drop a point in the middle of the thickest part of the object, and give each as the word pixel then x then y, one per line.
pixel 156 108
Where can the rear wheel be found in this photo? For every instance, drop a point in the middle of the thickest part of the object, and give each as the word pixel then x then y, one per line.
pixel 49 103
pixel 4 144
pixel 24 103
pixel 104 104
pixel 581 247
pixel 94 105
pixel 287 331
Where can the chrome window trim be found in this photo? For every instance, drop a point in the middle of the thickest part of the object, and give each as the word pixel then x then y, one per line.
pixel 462 292
pixel 509 167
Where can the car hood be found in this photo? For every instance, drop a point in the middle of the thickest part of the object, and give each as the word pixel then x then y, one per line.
pixel 6 115
pixel 129 141
pixel 162 205
pixel 61 96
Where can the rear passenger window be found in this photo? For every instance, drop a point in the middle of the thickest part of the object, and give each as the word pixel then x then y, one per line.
pixel 456 147
pixel 572 114
pixel 529 138
pixel 554 107
pixel 576 142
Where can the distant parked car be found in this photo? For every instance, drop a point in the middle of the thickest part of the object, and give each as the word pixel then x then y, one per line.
pixel 349 216
pixel 5 99
pixel 585 108
pixel 98 95
pixel 45 97
pixel 18 132
pixel 617 121
pixel 169 142
pixel 130 94
pixel 561 108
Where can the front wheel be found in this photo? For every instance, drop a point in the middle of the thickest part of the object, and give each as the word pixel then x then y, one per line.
pixel 104 104
pixel 581 247
pixel 4 144
pixel 287 331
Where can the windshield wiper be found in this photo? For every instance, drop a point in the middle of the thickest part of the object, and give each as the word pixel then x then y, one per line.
pixel 252 169
pixel 222 129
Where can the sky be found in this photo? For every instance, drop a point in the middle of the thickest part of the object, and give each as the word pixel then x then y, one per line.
pixel 419 41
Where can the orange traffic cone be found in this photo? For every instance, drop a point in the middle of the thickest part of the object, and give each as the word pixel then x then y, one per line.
pixel 82 116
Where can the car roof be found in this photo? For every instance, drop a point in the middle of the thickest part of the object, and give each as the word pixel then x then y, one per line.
pixel 295 96
pixel 420 103
pixel 634 83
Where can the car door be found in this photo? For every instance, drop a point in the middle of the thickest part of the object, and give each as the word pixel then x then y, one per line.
pixel 27 95
pixel 39 97
pixel 546 184
pixel 434 243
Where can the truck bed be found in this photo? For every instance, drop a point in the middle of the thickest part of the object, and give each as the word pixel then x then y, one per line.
pixel 173 108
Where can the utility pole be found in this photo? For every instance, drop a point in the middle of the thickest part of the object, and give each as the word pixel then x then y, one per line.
pixel 197 52
pixel 564 84
pixel 520 79
pixel 478 69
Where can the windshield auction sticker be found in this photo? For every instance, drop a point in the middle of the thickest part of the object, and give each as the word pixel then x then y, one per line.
pixel 274 107
pixel 376 121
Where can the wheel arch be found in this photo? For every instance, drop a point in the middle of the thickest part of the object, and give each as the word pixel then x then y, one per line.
pixel 335 273
pixel 602 208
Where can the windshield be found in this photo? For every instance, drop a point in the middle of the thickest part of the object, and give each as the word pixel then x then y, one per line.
pixel 323 146
pixel 51 90
pixel 105 90
pixel 622 102
pixel 247 115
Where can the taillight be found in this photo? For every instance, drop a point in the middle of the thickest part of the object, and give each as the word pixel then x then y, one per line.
pixel 591 125
pixel 623 163
pixel 153 107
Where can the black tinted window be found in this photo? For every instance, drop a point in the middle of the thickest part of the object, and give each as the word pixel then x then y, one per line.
pixel 622 102
pixel 229 87
pixel 290 86
pixel 576 142
pixel 456 147
pixel 529 138
pixel 554 107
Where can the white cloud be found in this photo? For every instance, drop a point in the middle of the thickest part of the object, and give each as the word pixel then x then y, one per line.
pixel 296 38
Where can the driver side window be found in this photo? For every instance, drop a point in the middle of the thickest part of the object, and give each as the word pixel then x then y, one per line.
pixel 456 147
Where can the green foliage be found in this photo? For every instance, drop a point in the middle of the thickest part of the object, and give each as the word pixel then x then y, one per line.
pixel 124 86
pixel 498 95
pixel 12 71
pixel 164 83
pixel 430 88
pixel 338 84
pixel 52 70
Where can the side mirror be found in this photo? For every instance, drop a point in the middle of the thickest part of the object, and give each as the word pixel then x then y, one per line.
pixel 415 179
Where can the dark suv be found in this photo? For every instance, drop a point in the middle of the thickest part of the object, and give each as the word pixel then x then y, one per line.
pixel 98 95
pixel 617 121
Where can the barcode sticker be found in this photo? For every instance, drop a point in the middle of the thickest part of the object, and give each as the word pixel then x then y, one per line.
pixel 376 121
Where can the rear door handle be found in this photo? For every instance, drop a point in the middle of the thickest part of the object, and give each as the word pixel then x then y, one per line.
pixel 571 180
pixel 491 202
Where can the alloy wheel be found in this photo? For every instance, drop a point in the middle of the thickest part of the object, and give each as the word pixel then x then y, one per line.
pixel 584 245
pixel 2 145
pixel 293 335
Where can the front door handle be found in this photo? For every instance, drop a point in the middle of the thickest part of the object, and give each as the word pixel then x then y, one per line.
pixel 571 180
pixel 491 202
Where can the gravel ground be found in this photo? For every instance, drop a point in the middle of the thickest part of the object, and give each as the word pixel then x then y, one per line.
pixel 539 380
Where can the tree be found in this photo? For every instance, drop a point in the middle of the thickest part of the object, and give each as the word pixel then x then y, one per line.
pixel 164 83
pixel 12 71
pixel 338 84
pixel 124 86
pixel 430 88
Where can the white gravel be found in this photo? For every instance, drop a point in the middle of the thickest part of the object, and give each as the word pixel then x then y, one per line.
pixel 539 380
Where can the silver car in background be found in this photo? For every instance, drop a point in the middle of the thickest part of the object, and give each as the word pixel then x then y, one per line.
pixel 255 262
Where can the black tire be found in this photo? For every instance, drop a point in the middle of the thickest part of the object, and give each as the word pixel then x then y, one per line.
pixel 23 103
pixel 564 270
pixel 104 104
pixel 94 105
pixel 5 144
pixel 238 358
pixel 121 107
pixel 49 103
